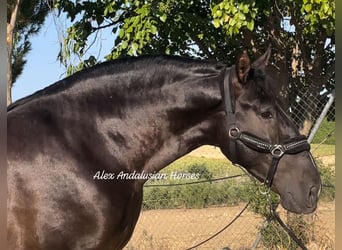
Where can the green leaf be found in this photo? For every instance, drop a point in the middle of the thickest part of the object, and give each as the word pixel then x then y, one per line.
pixel 135 46
pixel 227 6
pixel 163 18
pixel 216 23
pixel 241 16
pixel 325 7
pixel 108 10
pixel 308 7
pixel 153 29
pixel 124 45
pixel 131 52
pixel 245 9
pixel 121 33
pixel 232 21
pixel 214 9
pixel 250 25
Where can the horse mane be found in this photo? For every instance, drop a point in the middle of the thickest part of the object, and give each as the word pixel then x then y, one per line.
pixel 124 65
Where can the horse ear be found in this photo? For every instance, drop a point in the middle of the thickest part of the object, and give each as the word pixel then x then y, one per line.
pixel 262 61
pixel 243 66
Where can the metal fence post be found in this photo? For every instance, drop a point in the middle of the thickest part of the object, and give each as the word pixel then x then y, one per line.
pixel 321 117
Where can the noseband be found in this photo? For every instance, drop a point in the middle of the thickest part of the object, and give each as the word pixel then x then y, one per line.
pixel 292 146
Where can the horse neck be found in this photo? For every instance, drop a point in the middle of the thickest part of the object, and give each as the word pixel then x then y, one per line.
pixel 157 124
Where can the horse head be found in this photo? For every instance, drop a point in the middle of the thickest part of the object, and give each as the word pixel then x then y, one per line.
pixel 263 139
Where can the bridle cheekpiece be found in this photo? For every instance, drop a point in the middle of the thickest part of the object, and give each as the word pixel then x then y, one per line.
pixel 293 146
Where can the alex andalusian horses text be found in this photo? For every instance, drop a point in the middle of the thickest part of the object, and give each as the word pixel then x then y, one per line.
pixel 135 116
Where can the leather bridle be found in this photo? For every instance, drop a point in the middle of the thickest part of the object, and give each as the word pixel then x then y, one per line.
pixel 292 146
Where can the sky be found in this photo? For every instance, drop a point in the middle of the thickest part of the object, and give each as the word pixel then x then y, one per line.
pixel 42 67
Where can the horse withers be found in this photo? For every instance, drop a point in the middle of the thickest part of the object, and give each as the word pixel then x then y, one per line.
pixel 68 143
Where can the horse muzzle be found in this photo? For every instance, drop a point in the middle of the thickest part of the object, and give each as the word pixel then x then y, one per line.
pixel 301 203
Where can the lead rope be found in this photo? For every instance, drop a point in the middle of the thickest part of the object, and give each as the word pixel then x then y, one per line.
pixel 220 231
pixel 274 213
pixel 287 229
pixel 276 216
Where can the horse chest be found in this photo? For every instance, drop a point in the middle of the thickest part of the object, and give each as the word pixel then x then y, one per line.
pixel 53 206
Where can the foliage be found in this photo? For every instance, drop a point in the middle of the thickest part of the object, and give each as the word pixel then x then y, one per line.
pixel 201 170
pixel 193 196
pixel 226 192
pixel 319 13
pixel 274 236
pixel 233 15
pixel 216 167
pixel 260 198
pixel 31 16
pixel 300 33
pixel 198 195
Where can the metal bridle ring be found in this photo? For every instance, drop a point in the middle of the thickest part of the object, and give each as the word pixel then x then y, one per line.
pixel 277 151
pixel 234 133
pixel 267 191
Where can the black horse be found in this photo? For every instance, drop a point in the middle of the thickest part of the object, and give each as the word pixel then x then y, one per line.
pixel 68 143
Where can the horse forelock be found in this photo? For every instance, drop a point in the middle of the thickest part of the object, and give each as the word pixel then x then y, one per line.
pixel 262 84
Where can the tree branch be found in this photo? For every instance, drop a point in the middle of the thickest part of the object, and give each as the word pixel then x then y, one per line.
pixel 105 26
pixel 314 73
pixel 119 20
pixel 317 60
pixel 9 40
pixel 299 39
pixel 272 26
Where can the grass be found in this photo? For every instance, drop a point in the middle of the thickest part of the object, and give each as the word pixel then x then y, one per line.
pixel 322 150
pixel 325 133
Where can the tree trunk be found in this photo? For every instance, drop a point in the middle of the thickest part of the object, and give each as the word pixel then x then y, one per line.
pixel 9 81
pixel 10 34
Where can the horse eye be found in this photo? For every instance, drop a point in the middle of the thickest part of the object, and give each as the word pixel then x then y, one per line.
pixel 266 115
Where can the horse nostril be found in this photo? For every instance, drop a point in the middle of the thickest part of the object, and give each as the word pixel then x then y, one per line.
pixel 313 194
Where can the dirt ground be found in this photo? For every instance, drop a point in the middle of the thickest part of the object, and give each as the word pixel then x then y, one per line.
pixel 328 160
pixel 184 228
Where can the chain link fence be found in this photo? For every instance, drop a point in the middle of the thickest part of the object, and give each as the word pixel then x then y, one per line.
pixel 315 113
pixel 183 213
